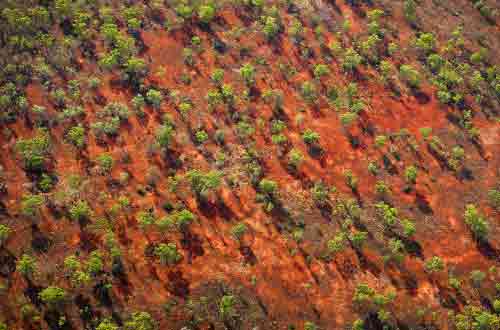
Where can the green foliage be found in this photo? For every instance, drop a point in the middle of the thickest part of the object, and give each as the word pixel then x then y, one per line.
pixel 95 264
pixel 247 72
pixel 350 179
pixel 388 213
pixel 26 265
pixel 76 136
pixel 271 27
pixel 363 294
pixel 320 70
pixel 80 211
pixel 310 326
pixel 411 174
pixel 295 158
pixel 105 162
pixel 494 198
pixel 203 183
pixel 140 321
pixel 477 277
pixel 52 295
pixel 426 42
pixel 167 253
pixel 434 265
pixel 164 135
pixel 5 232
pixel 351 60
pixel 268 187
pixel 107 324
pixel 409 228
pixel 206 13
pixel 476 222
pixel 337 243
pixel 145 219
pixel 31 205
pixel 226 306
pixel 410 75
pixel 410 10
pixel 179 220
pixel 34 151
pixel 154 98
pixel 308 92
pixel 474 318
pixel 310 137
pixel 201 137
pixel 238 230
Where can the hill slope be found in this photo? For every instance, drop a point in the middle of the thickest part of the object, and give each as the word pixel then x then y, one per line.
pixel 249 164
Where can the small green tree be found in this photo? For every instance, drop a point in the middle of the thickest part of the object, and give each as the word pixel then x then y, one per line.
pixel 206 13
pixel 167 253
pixel 140 321
pixel 107 324
pixel 80 211
pixel 226 306
pixel 154 98
pixel 247 72
pixel 238 230
pixel 53 296
pixel 5 232
pixel 476 222
pixel 76 136
pixel 31 205
pixel 310 137
pixel 410 75
pixel 411 174
pixel 26 265
pixel 434 265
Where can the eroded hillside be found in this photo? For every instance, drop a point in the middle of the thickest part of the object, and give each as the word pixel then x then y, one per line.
pixel 250 164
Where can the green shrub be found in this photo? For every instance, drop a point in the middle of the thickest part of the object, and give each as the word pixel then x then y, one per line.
pixel 308 92
pixel 426 42
pixel 477 277
pixel 434 265
pixel 105 162
pixel 295 158
pixel 337 243
pixel 411 174
pixel 164 135
pixel 238 230
pixel 5 232
pixel 34 151
pixel 351 60
pixel 320 70
pixel 95 264
pixel 201 137
pixel 206 13
pixel 154 98
pixel 76 136
pixel 226 306
pixel 247 72
pixel 31 205
pixel 167 253
pixel 80 211
pixel 493 197
pixel 310 137
pixel 140 321
pixel 476 222
pixel 26 265
pixel 388 214
pixel 202 183
pixel 410 75
pixel 107 324
pixel 52 295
